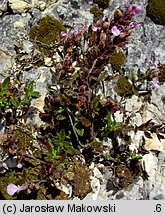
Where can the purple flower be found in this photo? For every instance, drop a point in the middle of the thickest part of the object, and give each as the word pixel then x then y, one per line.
pixel 155 84
pixel 94 28
pixel 64 34
pixel 103 36
pixel 76 30
pixel 115 31
pixel 137 10
pixel 128 5
pixel 12 189
pixel 83 27
pixel 132 25
pixel 156 63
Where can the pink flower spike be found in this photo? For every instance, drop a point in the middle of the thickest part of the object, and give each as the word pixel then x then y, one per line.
pixel 103 36
pixel 12 189
pixel 115 31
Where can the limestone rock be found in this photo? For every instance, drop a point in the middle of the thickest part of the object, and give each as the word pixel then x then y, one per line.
pixel 27 46
pixel 19 6
pixel 97 173
pixel 6 62
pixel 154 143
pixel 39 103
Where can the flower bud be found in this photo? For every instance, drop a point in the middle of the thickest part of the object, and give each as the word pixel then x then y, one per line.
pixel 132 25
pixel 99 22
pixel 117 13
pixel 128 5
pixel 106 25
pixel 103 36
pixel 138 9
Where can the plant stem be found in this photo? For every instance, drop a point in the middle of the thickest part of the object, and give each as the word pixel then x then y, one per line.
pixel 70 118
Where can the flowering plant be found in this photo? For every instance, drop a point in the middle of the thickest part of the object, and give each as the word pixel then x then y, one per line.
pixel 75 113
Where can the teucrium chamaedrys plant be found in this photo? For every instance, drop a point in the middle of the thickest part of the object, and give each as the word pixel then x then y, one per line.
pixel 75 106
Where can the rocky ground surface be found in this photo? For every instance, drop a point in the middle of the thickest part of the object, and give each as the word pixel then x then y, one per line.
pixel 147 43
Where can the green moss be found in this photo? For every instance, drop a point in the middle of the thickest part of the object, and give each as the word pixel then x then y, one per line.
pixel 97 12
pixel 102 3
pixel 124 175
pixel 116 60
pixel 156 11
pixel 24 139
pixel 81 185
pixel 45 33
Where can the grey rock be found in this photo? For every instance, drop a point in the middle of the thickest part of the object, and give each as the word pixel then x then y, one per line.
pixel 41 76
pixel 95 185
pixel 6 63
pixel 11 162
pixel 12 29
pixel 3 7
pixel 97 173
pixel 78 14
pixel 155 168
pixel 27 46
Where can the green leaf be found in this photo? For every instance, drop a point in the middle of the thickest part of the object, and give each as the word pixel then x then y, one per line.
pixel 109 120
pixel 5 86
pixel 60 117
pixel 14 101
pixel 55 153
pixel 35 94
pixel 62 135
pixel 80 131
pixel 70 150
pixel 29 91
pixel 74 76
pixel 101 76
pixel 61 109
